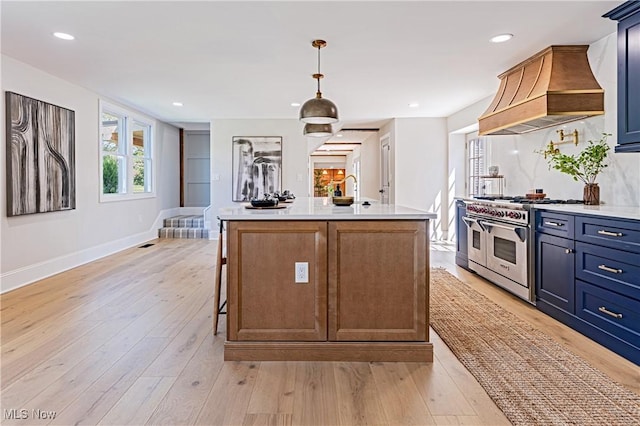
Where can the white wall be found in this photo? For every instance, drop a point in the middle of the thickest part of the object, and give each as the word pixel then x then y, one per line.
pixel 295 155
pixel 421 167
pixel 369 184
pixel 459 126
pixel 524 169
pixel 38 245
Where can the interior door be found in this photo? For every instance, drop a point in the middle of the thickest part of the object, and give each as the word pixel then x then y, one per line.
pixel 196 169
pixel 385 172
pixel 356 172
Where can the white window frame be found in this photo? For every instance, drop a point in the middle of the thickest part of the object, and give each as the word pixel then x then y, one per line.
pixel 476 165
pixel 129 118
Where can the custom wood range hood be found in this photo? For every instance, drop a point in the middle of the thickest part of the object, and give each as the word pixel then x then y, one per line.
pixel 552 87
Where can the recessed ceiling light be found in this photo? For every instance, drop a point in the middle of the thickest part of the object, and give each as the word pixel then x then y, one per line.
pixel 500 38
pixel 414 105
pixel 177 104
pixel 295 104
pixel 64 36
pixel 339 135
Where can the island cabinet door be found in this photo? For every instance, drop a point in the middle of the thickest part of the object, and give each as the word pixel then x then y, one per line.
pixel 378 281
pixel 264 300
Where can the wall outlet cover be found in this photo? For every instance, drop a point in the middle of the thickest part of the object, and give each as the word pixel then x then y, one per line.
pixel 302 272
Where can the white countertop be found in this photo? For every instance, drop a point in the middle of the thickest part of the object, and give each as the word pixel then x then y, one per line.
pixel 323 209
pixel 622 212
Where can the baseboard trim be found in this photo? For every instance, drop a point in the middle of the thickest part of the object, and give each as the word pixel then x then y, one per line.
pixel 329 351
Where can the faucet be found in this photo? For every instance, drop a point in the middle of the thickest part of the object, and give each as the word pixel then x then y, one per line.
pixel 355 182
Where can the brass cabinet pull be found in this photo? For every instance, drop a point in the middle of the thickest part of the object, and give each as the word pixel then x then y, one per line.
pixel 553 223
pixel 613 270
pixel 604 310
pixel 609 233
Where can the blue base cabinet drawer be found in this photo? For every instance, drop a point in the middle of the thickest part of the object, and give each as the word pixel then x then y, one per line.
pixel 613 233
pixel 613 313
pixel 614 270
pixel 558 224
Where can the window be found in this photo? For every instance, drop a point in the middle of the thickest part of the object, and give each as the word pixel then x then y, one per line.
pixel 476 164
pixel 126 146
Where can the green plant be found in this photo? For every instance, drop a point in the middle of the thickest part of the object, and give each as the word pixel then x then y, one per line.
pixel 317 179
pixel 586 165
pixel 109 175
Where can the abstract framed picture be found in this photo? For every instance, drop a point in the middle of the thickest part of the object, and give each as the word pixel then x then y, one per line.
pixel 256 166
pixel 41 173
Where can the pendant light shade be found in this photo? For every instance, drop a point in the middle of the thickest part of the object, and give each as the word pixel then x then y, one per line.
pixel 319 110
pixel 318 130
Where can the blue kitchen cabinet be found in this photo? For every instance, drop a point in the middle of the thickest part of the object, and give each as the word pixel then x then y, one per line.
pixel 555 274
pixel 462 258
pixel 589 278
pixel 628 17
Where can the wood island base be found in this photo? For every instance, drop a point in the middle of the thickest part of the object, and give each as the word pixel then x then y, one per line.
pixel 362 294
pixel 329 351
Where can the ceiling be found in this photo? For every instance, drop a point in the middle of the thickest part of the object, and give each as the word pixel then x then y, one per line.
pixel 251 60
pixel 344 142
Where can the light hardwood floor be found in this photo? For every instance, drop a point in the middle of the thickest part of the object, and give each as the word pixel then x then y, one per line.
pixel 127 340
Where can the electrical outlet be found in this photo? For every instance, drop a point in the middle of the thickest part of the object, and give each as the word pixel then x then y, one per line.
pixel 302 272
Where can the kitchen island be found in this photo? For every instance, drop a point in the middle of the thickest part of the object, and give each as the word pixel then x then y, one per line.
pixel 312 281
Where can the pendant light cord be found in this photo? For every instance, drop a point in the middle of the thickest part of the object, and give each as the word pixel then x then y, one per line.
pixel 319 94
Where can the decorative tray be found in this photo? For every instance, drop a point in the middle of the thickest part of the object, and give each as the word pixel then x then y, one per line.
pixel 535 196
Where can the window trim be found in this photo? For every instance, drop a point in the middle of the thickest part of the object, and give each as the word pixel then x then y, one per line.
pixel 129 118
pixel 476 163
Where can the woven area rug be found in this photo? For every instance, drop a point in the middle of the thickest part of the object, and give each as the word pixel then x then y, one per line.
pixel 530 377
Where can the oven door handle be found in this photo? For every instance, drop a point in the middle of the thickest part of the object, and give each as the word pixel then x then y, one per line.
pixel 469 222
pixel 520 232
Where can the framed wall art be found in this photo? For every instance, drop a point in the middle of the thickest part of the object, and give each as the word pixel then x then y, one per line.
pixel 40 156
pixel 256 166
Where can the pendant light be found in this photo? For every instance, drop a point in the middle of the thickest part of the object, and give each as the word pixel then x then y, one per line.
pixel 318 130
pixel 319 110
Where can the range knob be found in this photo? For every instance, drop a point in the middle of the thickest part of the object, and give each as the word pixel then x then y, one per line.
pixel 501 213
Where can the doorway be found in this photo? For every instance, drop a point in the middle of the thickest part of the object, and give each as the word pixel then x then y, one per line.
pixel 196 173
pixel 322 177
pixel 357 151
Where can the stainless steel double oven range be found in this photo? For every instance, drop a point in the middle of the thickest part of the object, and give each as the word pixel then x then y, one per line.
pixel 501 243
